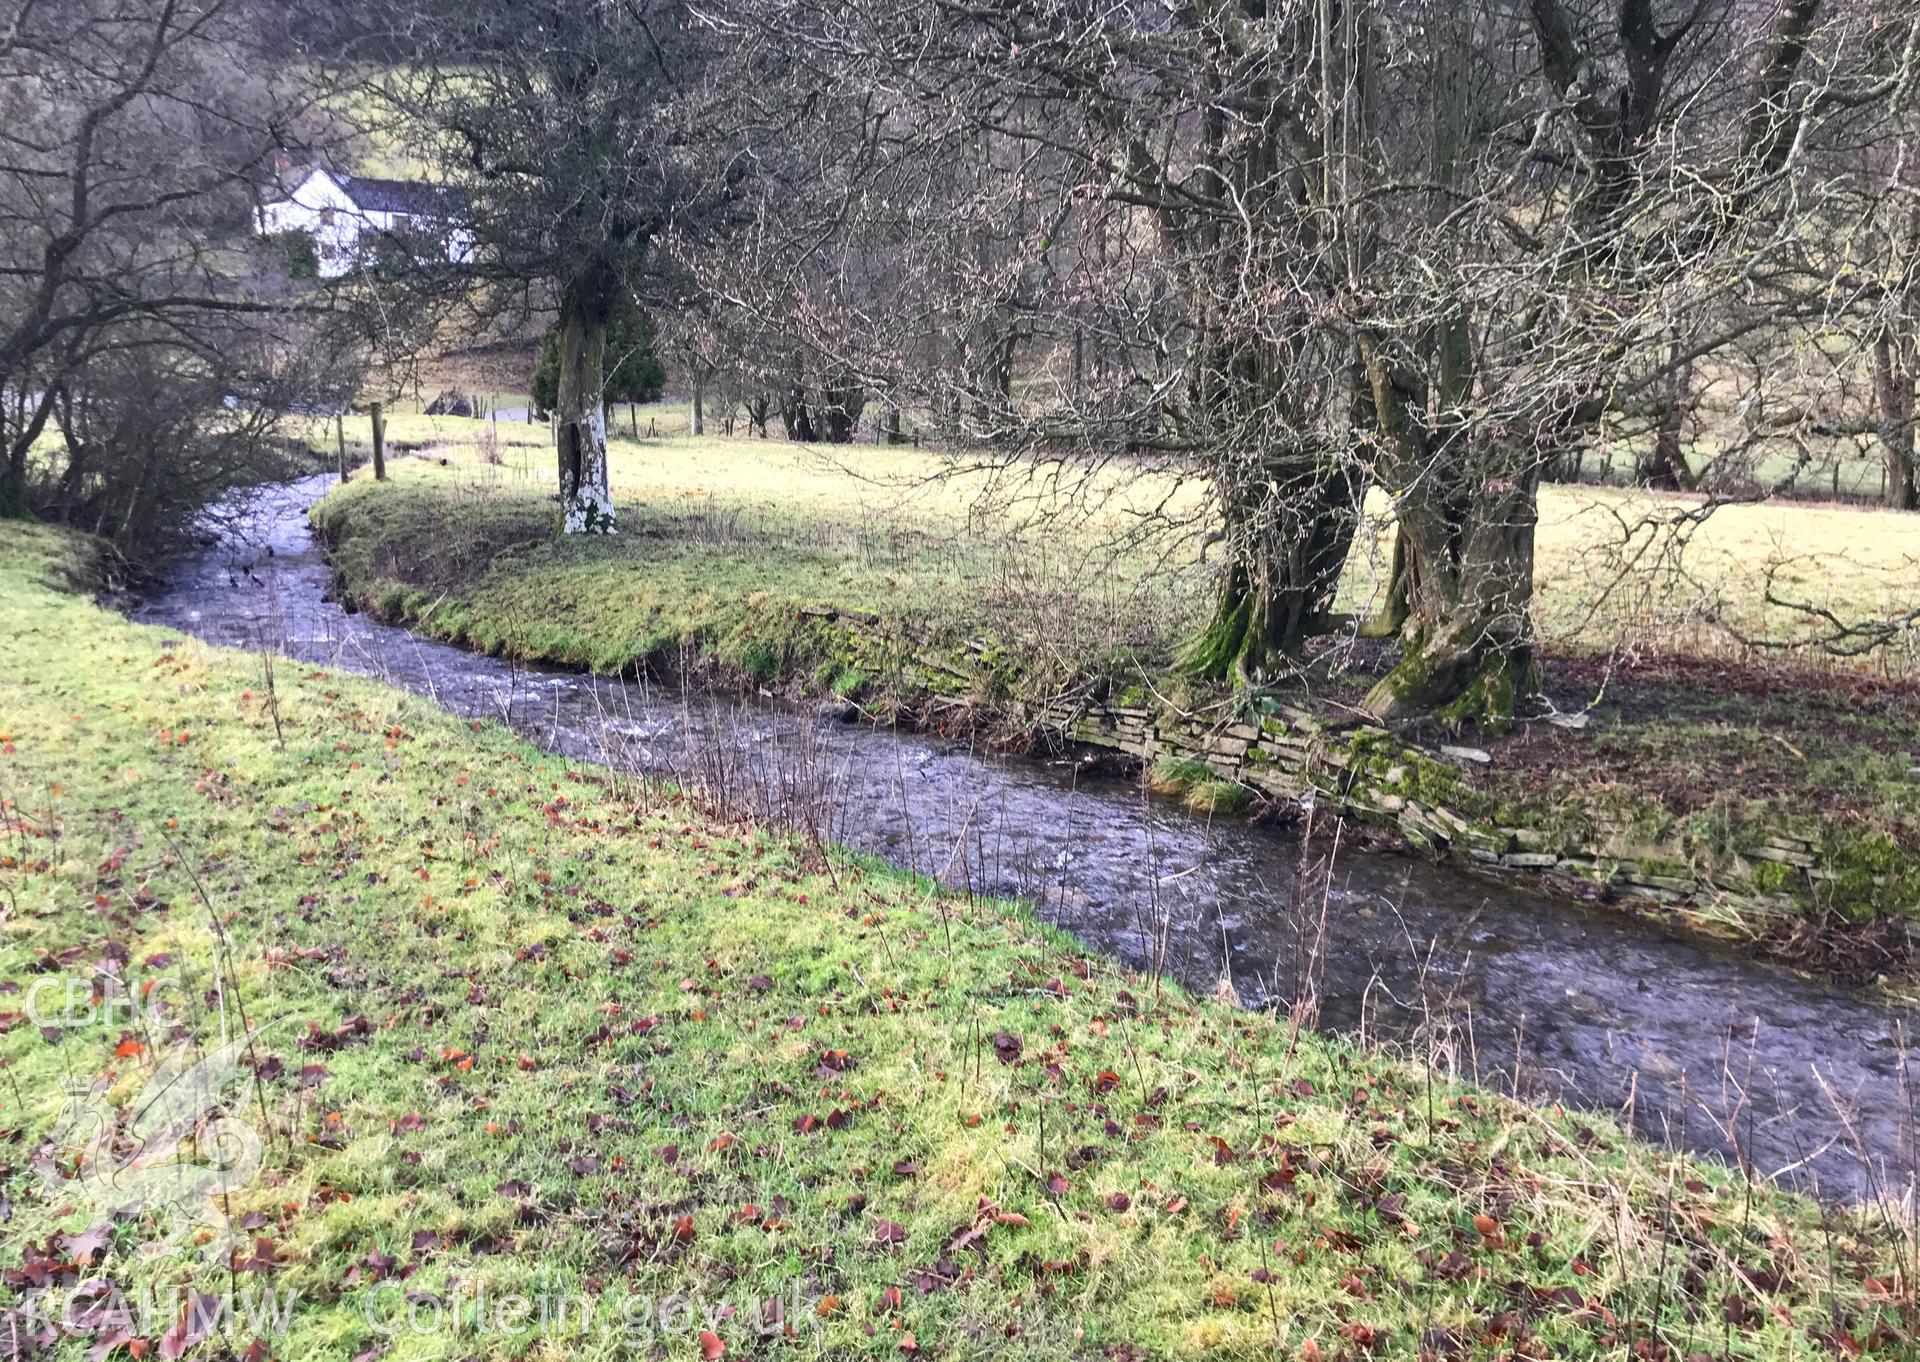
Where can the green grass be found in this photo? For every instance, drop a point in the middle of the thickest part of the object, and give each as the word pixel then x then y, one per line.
pixel 723 542
pixel 613 1048
pixel 1194 784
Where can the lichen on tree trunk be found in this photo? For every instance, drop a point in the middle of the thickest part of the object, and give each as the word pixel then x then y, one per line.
pixel 580 422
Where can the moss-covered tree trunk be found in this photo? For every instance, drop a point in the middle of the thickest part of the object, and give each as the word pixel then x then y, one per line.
pixel 1461 592
pixel 579 420
pixel 1462 587
pixel 1286 480
pixel 1287 532
pixel 1467 635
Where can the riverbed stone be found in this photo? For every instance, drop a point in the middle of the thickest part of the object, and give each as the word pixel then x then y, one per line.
pixel 1530 860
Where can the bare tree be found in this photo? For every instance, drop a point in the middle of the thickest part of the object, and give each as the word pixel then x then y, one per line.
pixel 130 143
pixel 1415 244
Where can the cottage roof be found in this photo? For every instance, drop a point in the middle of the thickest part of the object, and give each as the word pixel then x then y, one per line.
pixel 411 197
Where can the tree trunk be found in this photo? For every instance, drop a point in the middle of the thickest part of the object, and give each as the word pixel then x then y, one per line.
pixel 1392 615
pixel 13 474
pixel 579 419
pixel 13 484
pixel 1467 575
pixel 1462 586
pixel 1287 531
pixel 22 430
pixel 1665 466
pixel 796 413
pixel 68 499
pixel 699 404
pixel 840 410
pixel 1462 582
pixel 137 501
pixel 379 423
pixel 1893 391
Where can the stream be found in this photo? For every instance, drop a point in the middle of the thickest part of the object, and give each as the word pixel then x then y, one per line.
pixel 1692 1043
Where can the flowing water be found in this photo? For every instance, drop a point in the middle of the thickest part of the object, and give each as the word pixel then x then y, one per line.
pixel 1559 999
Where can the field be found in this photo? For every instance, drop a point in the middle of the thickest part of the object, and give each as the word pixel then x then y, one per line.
pixel 526 1032
pixel 1617 568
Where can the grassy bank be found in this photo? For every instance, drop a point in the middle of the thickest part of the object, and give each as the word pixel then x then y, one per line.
pixel 526 1032
pixel 1615 567
pixel 862 575
pixel 724 539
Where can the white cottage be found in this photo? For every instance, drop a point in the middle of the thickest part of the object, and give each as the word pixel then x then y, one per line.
pixel 349 215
